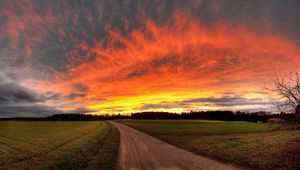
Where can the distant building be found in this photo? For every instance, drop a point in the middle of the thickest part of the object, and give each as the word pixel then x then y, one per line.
pixel 276 120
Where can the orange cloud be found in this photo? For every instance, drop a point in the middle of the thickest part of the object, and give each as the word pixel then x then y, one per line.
pixel 176 61
pixel 22 20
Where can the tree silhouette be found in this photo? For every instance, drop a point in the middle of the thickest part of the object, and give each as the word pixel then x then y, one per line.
pixel 287 90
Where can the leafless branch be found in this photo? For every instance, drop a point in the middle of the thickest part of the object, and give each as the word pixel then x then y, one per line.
pixel 287 91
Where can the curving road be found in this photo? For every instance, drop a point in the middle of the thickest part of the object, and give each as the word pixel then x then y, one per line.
pixel 139 151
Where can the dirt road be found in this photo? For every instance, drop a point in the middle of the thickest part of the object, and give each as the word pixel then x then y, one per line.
pixel 139 151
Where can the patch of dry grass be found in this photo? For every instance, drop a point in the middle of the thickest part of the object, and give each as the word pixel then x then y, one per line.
pixel 276 149
pixel 259 148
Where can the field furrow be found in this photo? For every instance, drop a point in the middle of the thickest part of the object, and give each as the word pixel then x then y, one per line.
pixel 43 145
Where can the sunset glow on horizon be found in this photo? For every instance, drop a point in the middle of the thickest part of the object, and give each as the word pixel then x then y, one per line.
pixel 110 57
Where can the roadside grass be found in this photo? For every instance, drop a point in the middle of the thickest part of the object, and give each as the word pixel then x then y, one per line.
pixel 57 145
pixel 106 156
pixel 257 146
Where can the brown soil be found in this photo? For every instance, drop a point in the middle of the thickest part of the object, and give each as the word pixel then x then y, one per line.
pixel 139 151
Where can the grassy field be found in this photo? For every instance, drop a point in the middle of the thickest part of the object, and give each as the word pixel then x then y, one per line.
pixel 258 146
pixel 57 145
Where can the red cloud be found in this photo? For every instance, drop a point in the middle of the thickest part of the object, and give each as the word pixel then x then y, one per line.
pixel 181 55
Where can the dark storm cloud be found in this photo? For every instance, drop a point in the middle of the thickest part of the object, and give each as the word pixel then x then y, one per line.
pixel 136 73
pixel 224 101
pixel 81 111
pixel 12 93
pixel 73 96
pixel 19 101
pixel 268 16
pixel 27 110
pixel 81 87
pixel 52 96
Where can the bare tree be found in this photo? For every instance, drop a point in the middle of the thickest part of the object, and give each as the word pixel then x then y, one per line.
pixel 287 90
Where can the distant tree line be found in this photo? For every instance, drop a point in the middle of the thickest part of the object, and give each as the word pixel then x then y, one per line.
pixel 214 115
pixel 70 117
pixel 208 115
pixel 84 117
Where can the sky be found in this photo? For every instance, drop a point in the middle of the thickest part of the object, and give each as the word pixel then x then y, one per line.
pixel 124 56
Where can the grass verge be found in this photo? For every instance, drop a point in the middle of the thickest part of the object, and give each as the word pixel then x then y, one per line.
pixel 107 155
pixel 257 146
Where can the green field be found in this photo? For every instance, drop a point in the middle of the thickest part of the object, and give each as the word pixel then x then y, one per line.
pixel 57 145
pixel 258 146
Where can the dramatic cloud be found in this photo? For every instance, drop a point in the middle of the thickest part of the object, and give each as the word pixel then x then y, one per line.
pixel 27 110
pixel 110 56
pixel 12 93
pixel 81 111
pixel 81 87
pixel 18 101
pixel 75 95
pixel 224 102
